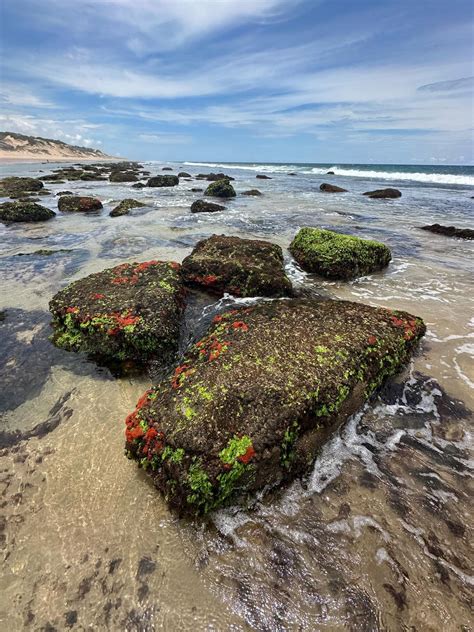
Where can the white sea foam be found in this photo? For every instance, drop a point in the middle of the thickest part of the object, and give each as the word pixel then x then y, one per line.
pixel 434 178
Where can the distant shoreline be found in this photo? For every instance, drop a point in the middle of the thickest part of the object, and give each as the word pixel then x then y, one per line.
pixel 47 159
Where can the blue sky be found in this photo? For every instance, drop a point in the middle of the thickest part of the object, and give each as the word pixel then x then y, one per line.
pixel 244 80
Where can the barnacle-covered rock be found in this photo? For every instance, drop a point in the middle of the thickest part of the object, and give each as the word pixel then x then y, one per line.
pixel 255 399
pixel 337 256
pixel 220 188
pixel 24 211
pixel 78 204
pixel 242 267
pixel 130 312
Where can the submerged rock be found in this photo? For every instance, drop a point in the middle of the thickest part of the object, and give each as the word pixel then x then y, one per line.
pixel 330 173
pixel 24 211
pixel 242 267
pixel 123 176
pixel 196 190
pixel 167 169
pixel 262 177
pixel 383 194
pixel 212 177
pixel 183 174
pixel 59 193
pixel 253 402
pixel 253 192
pixel 450 231
pixel 78 204
pixel 14 186
pixel 130 312
pixel 138 185
pixel 125 207
pixel 337 256
pixel 201 206
pixel 331 188
pixel 163 181
pixel 220 188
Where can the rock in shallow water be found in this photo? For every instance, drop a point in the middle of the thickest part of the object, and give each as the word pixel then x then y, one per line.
pixel 337 256
pixel 162 181
pixel 450 231
pixel 254 400
pixel 130 312
pixel 383 194
pixel 242 267
pixel 125 207
pixel 201 206
pixel 24 211
pixel 331 188
pixel 78 204
pixel 14 185
pixel 221 188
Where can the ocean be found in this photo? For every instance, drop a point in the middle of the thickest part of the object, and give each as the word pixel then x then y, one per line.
pixel 376 537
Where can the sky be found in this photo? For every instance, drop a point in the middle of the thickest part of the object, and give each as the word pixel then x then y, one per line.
pixel 324 81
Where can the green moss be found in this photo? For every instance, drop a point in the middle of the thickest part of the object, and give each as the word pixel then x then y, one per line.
pixel 228 481
pixel 201 487
pixel 287 453
pixel 173 455
pixel 237 446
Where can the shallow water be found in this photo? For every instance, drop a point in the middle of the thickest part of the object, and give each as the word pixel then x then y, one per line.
pixel 377 537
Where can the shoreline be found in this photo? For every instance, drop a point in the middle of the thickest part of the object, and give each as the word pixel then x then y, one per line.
pixel 45 159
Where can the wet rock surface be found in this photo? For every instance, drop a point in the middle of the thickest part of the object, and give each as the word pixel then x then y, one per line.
pixel 220 188
pixel 381 194
pixel 246 409
pixel 450 231
pixel 202 206
pixel 24 211
pixel 252 192
pixel 125 207
pixel 127 313
pixel 78 204
pixel 163 181
pixel 243 267
pixel 331 188
pixel 338 256
pixel 14 185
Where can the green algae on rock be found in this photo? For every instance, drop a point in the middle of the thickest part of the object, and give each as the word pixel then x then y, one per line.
pixel 254 400
pixel 78 204
pixel 242 267
pixel 220 188
pixel 162 181
pixel 14 186
pixel 125 207
pixel 24 211
pixel 337 256
pixel 127 313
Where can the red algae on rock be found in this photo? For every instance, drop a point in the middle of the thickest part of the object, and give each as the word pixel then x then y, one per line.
pixel 254 400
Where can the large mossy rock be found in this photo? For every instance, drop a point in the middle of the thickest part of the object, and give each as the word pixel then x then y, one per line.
pixel 242 267
pixel 14 186
pixel 255 399
pixel 337 256
pixel 202 206
pixel 162 181
pixel 24 211
pixel 123 176
pixel 130 312
pixel 78 204
pixel 125 207
pixel 220 188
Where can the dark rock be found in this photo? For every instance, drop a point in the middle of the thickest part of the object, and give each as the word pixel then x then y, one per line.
pixel 78 204
pixel 123 176
pixel 167 169
pixel 331 188
pixel 196 190
pixel 127 313
pixel 64 193
pixel 183 174
pixel 163 181
pixel 24 211
pixel 262 177
pixel 450 231
pixel 337 256
pixel 125 207
pixel 252 192
pixel 212 177
pixel 292 173
pixel 243 267
pixel 13 186
pixel 201 206
pixel 220 188
pixel 330 173
pixel 255 399
pixel 384 194
pixel 138 185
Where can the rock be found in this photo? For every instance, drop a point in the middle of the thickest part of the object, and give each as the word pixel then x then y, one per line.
pixel 163 181
pixel 212 177
pixel 167 169
pixel 127 313
pixel 331 188
pixel 24 211
pixel 123 176
pixel 78 204
pixel 253 192
pixel 338 256
pixel 330 173
pixel 220 188
pixel 201 206
pixel 450 231
pixel 59 193
pixel 242 267
pixel 255 399
pixel 125 207
pixel 138 185
pixel 292 173
pixel 13 186
pixel 263 177
pixel 183 174
pixel 383 194
pixel 196 190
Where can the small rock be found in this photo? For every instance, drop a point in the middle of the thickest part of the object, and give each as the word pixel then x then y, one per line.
pixel 201 206
pixel 331 188
pixel 196 190
pixel 263 177
pixel 450 231
pixel 138 185
pixel 183 174
pixel 330 173
pixel 167 169
pixel 123 176
pixel 384 194
pixel 78 204
pixel 64 193
pixel 252 192
pixel 163 181
pixel 125 207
